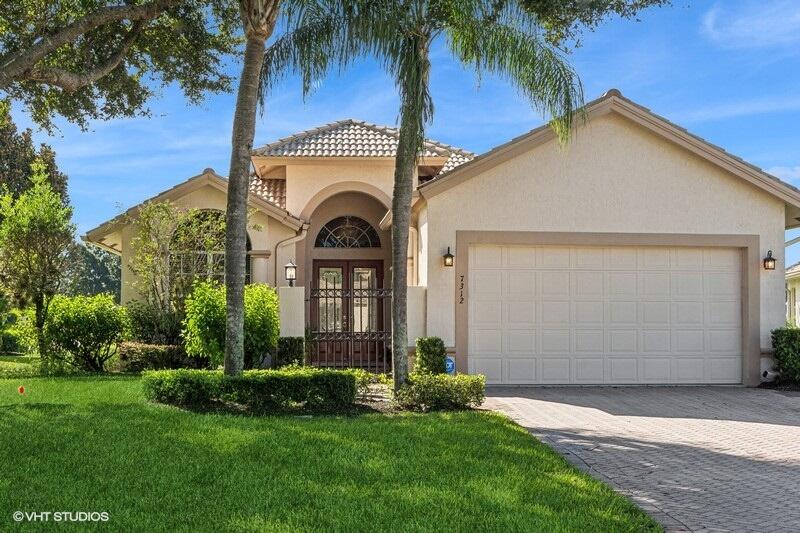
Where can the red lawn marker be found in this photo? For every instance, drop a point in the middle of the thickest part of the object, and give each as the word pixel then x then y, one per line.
pixel 21 390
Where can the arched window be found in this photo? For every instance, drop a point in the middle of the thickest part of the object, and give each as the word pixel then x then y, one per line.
pixel 347 232
pixel 197 249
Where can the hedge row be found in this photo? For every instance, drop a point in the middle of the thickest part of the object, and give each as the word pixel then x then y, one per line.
pixel 139 356
pixel 786 342
pixel 259 390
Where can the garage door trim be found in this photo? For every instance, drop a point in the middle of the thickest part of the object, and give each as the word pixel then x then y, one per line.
pixel 751 270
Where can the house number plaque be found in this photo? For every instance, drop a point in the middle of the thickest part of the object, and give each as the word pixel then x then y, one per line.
pixel 461 289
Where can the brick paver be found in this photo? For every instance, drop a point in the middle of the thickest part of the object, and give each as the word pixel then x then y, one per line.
pixel 695 458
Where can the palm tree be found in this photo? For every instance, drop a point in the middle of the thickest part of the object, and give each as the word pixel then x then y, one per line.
pixel 495 36
pixel 258 20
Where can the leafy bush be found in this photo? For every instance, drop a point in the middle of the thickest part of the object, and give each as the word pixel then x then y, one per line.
pixel 194 388
pixel 291 351
pixel 364 379
pixel 786 342
pixel 19 334
pixel 440 392
pixel 84 331
pixel 259 390
pixel 150 325
pixel 204 325
pixel 430 356
pixel 137 356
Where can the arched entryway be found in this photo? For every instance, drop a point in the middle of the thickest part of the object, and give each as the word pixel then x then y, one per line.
pixel 346 257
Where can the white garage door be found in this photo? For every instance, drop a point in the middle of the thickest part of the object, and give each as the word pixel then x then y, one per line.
pixel 615 315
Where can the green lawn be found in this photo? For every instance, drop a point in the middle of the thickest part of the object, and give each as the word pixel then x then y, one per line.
pixel 94 444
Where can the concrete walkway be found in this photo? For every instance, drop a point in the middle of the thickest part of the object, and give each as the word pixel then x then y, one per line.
pixel 695 458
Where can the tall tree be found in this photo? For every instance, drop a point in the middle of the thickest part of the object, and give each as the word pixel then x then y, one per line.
pixel 498 37
pixel 95 271
pixel 18 153
pixel 99 59
pixel 258 20
pixel 36 241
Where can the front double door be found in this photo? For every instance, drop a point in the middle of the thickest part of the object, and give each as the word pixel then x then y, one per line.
pixel 347 314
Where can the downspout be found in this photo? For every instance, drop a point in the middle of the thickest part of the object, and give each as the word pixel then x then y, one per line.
pixel 286 242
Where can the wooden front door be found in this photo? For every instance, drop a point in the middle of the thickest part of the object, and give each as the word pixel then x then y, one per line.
pixel 347 313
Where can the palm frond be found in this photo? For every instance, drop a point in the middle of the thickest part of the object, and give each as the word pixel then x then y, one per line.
pixel 510 46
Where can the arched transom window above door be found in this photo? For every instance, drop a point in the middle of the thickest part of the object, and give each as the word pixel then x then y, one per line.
pixel 347 232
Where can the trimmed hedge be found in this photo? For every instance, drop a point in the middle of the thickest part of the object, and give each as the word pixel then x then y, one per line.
pixel 291 351
pixel 138 356
pixel 259 390
pixel 440 392
pixel 430 356
pixel 786 342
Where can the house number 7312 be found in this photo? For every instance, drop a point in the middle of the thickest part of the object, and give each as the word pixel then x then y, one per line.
pixel 461 289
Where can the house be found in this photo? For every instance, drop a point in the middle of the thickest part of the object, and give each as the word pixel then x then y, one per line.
pixel 631 256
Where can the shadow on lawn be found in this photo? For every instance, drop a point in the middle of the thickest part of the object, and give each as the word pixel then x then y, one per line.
pixel 159 468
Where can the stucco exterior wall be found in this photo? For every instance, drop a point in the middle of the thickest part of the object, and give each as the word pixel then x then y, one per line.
pixel 793 300
pixel 305 181
pixel 264 233
pixel 614 176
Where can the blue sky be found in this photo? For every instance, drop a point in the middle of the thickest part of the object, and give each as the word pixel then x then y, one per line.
pixel 728 71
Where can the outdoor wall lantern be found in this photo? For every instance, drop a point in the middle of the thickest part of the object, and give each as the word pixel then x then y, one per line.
pixel 291 272
pixel 449 260
pixel 769 261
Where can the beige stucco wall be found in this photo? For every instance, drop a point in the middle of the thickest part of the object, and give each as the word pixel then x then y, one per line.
pixel 264 233
pixel 309 183
pixel 614 176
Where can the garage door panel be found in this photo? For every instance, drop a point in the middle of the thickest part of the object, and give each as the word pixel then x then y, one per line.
pixel 556 370
pixel 556 314
pixel 520 370
pixel 555 284
pixel 589 341
pixel 588 313
pixel 589 370
pixel 688 314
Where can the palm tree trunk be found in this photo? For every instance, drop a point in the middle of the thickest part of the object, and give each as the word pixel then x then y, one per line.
pixel 405 167
pixel 244 121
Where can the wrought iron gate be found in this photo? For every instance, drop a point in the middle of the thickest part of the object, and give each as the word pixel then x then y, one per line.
pixel 348 329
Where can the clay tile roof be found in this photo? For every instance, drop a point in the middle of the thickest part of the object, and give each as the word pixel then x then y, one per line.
pixel 270 189
pixel 355 138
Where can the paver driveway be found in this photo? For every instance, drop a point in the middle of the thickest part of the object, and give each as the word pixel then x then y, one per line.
pixel 695 458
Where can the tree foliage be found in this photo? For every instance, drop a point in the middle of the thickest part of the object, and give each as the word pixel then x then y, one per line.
pixel 18 153
pixel 36 240
pixel 173 247
pixel 95 271
pixel 99 59
pixel 565 20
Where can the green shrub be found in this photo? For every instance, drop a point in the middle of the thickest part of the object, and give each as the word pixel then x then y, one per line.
pixel 290 351
pixel 259 390
pixel 184 387
pixel 430 356
pixel 365 378
pixel 83 331
pixel 19 333
pixel 204 325
pixel 150 325
pixel 786 343
pixel 137 356
pixel 440 392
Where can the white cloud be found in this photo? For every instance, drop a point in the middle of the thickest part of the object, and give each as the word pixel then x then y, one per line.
pixel 790 174
pixel 753 24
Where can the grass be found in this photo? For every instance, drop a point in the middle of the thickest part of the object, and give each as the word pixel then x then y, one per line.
pixel 17 366
pixel 94 444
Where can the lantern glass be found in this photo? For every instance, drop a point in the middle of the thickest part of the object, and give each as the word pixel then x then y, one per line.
pixel 291 272
pixel 769 261
pixel 449 260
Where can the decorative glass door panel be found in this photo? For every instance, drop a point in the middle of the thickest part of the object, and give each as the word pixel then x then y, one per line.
pixel 347 324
